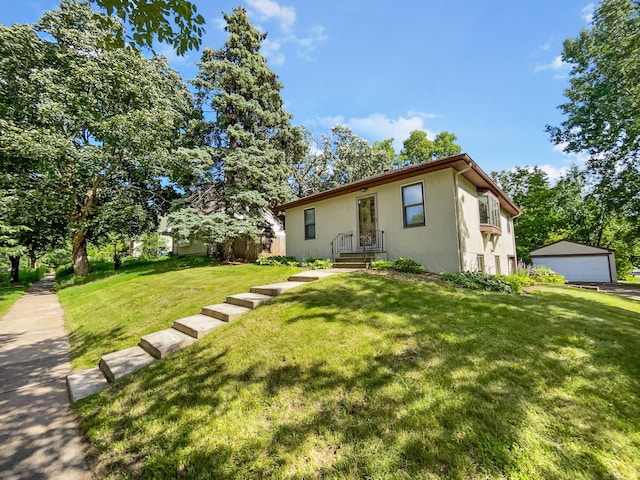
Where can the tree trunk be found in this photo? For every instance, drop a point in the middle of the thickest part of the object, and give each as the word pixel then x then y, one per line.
pixel 15 268
pixel 32 258
pixel 80 258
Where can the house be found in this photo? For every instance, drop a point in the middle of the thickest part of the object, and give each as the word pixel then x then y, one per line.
pixel 577 262
pixel 273 242
pixel 446 214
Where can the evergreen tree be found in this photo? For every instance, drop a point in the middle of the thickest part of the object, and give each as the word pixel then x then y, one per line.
pixel 250 137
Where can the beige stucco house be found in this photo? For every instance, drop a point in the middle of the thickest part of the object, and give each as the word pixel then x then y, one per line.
pixel 446 214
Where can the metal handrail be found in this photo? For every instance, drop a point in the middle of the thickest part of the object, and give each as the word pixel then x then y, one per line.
pixel 342 241
pixel 374 240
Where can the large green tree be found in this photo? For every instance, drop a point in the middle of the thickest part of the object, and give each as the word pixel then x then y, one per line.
pixel 175 22
pixel 248 136
pixel 602 114
pixel 350 157
pixel 570 208
pixel 418 148
pixel 94 127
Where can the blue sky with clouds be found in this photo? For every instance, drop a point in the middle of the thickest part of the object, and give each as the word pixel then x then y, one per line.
pixel 489 71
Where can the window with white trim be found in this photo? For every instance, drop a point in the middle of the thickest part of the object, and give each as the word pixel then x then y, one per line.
pixel 413 205
pixel 310 224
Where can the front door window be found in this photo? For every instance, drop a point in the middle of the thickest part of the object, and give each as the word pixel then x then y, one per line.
pixel 367 221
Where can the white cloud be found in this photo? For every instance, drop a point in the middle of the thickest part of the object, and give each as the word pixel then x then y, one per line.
pixel 309 43
pixel 560 67
pixel 218 22
pixel 581 157
pixel 271 50
pixel 326 122
pixel 270 10
pixel 380 127
pixel 285 33
pixel 172 57
pixel 413 113
pixel 552 172
pixel 587 13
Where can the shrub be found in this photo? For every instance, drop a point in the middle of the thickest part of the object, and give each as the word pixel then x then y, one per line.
pixel 481 281
pixel 277 260
pixel 381 264
pixel 317 263
pixel 542 274
pixel 26 275
pixel 407 265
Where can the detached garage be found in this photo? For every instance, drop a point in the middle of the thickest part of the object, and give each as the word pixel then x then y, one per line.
pixel 577 262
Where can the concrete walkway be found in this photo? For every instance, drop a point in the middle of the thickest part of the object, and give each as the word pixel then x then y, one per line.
pixel 39 438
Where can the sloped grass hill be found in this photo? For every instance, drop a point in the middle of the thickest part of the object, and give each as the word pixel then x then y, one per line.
pixel 359 376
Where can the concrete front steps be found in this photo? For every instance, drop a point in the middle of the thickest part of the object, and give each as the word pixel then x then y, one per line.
pixel 158 345
pixel 357 260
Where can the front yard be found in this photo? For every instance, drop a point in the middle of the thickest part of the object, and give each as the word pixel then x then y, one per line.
pixel 361 376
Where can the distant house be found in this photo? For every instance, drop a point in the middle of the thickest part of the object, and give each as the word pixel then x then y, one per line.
pixel 273 242
pixel 577 262
pixel 447 214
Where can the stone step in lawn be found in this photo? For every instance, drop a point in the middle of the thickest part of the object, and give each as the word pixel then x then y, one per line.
pixel 82 383
pixel 275 289
pixel 312 275
pixel 248 300
pixel 225 311
pixel 351 265
pixel 197 326
pixel 164 342
pixel 123 362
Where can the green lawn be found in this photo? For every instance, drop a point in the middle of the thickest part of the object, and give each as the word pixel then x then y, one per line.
pixel 112 313
pixel 361 376
pixel 9 293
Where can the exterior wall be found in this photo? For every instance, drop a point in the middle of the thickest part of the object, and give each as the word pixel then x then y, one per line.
pixel 434 245
pixel 472 240
pixel 196 247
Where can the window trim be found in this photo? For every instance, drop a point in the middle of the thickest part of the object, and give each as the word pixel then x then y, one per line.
pixel 304 221
pixel 404 207
pixel 494 224
pixel 480 265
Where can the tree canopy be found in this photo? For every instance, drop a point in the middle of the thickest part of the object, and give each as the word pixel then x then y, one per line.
pixel 571 208
pixel 602 114
pixel 175 22
pixel 247 135
pixel 91 128
pixel 418 148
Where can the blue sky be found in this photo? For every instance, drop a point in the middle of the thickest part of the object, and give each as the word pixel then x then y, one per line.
pixel 488 71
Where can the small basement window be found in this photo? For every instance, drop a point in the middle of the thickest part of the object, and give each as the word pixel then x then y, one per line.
pixel 310 224
pixel 413 205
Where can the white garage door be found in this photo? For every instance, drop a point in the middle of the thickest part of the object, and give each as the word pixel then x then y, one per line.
pixel 579 268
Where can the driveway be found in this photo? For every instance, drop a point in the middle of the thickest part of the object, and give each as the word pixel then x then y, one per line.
pixel 628 290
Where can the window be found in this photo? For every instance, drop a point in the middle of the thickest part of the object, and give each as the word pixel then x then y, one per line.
pixel 512 264
pixel 508 224
pixel 489 210
pixel 498 271
pixel 413 205
pixel 480 262
pixel 310 223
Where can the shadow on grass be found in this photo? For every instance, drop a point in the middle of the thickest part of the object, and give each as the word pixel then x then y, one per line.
pixel 101 270
pixel 441 383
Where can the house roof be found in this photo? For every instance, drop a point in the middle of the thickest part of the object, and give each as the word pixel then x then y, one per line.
pixel 565 247
pixel 461 163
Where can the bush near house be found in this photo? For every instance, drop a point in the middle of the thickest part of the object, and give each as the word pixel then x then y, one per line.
pixel 406 265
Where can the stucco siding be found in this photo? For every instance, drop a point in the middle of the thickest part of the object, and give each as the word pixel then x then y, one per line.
pixel 434 244
pixel 472 240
